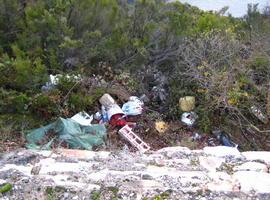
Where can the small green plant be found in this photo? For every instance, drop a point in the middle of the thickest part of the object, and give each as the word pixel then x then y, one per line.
pixel 5 188
pixel 95 195
pixel 50 194
pixel 162 196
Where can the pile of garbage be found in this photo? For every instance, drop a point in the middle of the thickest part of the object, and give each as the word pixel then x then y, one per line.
pixel 84 131
pixel 79 131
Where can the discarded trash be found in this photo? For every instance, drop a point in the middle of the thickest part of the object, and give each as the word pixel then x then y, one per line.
pixel 105 117
pixel 135 140
pixel 54 80
pixel 118 120
pixel 98 116
pixel 187 103
pixel 106 100
pixel 161 126
pixel 224 139
pixel 196 136
pixel 114 110
pixel 189 118
pixel 5 187
pixel 211 141
pixel 133 107
pixel 259 114
pixel 83 118
pixel 66 132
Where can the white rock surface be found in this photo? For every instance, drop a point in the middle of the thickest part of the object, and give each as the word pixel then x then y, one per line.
pixel 250 180
pixel 251 166
pixel 257 155
pixel 222 151
pixel 211 163
pixel 176 172
pixel 173 152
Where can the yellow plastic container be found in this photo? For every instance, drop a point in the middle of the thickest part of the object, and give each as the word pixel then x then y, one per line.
pixel 161 126
pixel 187 103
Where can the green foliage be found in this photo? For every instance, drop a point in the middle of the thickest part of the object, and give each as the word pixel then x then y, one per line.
pixel 13 102
pixel 95 195
pixel 20 72
pixel 162 196
pixel 45 105
pixel 53 193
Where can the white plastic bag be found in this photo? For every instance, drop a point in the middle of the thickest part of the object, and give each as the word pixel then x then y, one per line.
pixel 133 107
pixel 189 118
pixel 83 118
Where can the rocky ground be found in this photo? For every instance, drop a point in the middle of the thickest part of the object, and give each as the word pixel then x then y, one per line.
pixel 169 173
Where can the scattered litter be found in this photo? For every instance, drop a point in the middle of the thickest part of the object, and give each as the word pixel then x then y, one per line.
pixel 161 126
pixel 112 111
pixel 83 118
pixel 189 118
pixel 54 80
pixel 106 100
pixel 66 133
pixel 98 116
pixel 187 103
pixel 135 140
pixel 5 187
pixel 224 139
pixel 133 107
pixel 105 117
pixel 211 141
pixel 196 136
pixel 259 114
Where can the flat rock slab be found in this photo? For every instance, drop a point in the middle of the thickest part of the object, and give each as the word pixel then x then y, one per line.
pixel 170 173
pixel 251 166
pixel 211 163
pixel 253 181
pixel 222 151
pixel 257 155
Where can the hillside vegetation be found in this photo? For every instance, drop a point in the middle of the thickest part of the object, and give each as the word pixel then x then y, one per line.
pixel 221 60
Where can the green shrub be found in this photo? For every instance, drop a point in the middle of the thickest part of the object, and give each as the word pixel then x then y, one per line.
pixel 13 102
pixel 45 105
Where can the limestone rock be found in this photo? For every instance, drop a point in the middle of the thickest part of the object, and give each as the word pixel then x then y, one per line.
pixel 211 163
pixel 257 155
pixel 251 166
pixel 250 180
pixel 175 152
pixel 222 151
pixel 170 173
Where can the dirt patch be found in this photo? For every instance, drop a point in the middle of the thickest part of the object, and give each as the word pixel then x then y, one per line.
pixel 176 135
pixel 11 140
